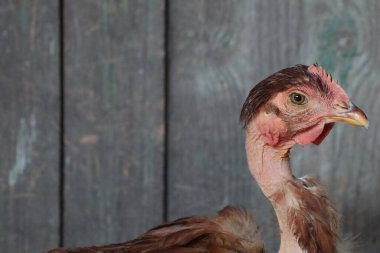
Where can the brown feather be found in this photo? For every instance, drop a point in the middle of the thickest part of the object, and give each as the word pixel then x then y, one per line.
pixel 232 230
pixel 314 220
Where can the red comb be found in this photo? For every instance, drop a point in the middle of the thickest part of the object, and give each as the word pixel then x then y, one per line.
pixel 319 71
pixel 328 80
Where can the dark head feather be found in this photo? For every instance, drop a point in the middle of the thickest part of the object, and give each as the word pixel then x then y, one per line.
pixel 282 80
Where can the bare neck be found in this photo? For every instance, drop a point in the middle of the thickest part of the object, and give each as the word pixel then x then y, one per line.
pixel 271 168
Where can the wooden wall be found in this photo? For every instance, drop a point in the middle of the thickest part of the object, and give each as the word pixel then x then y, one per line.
pixel 118 114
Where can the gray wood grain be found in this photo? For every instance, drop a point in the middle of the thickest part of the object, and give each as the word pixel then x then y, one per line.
pixel 218 50
pixel 29 126
pixel 113 120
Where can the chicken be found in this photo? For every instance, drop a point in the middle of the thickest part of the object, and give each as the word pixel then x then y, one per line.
pixel 296 105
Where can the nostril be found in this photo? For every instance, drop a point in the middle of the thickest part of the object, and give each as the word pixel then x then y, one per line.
pixel 351 106
pixel 342 106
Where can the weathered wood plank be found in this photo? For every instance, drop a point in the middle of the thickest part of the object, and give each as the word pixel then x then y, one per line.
pixel 114 119
pixel 218 50
pixel 29 125
pixel 215 57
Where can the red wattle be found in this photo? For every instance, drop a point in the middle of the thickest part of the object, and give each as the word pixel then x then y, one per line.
pixel 325 132
pixel 314 134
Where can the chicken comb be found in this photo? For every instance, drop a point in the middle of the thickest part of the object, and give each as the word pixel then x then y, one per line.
pixel 318 70
pixel 327 79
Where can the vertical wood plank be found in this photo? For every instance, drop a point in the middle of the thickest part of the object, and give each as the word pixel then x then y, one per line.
pixel 29 125
pixel 114 119
pixel 215 54
pixel 218 50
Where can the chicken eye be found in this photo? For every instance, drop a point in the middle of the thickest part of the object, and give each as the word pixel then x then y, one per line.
pixel 298 99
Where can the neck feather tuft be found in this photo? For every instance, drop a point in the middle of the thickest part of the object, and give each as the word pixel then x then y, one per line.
pixel 311 216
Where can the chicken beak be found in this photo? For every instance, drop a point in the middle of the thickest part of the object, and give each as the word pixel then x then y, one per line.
pixel 353 116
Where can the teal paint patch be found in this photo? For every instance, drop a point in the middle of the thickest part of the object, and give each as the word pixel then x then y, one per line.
pixel 108 85
pixel 24 147
pixel 338 44
pixel 105 16
pixel 24 16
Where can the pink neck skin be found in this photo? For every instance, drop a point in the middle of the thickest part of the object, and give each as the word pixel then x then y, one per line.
pixel 271 168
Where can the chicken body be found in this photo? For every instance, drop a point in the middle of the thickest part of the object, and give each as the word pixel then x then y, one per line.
pixel 233 230
pixel 297 105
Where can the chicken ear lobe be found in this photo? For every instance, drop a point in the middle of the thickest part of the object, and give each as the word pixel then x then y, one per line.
pixel 270 127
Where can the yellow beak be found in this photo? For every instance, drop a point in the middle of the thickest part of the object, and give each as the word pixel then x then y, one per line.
pixel 353 116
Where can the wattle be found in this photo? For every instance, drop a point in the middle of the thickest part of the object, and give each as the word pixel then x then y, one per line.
pixel 314 134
